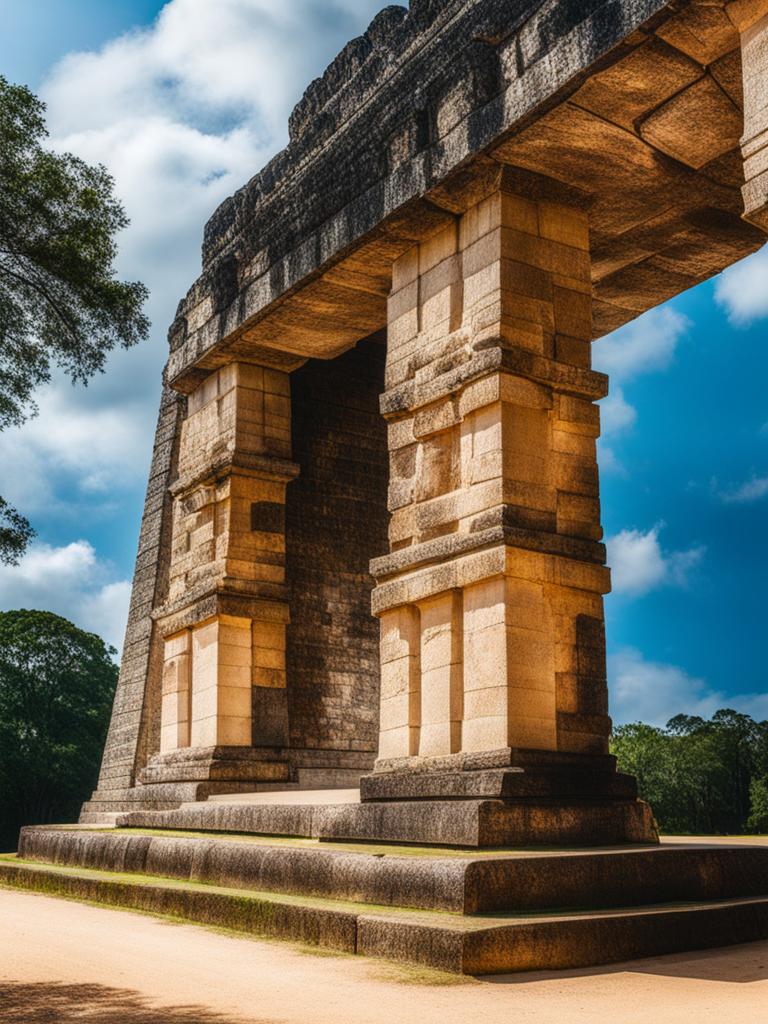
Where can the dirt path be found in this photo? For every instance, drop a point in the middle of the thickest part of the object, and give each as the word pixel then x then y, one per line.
pixel 62 962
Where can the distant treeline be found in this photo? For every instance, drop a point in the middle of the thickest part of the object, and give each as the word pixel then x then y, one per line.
pixel 700 776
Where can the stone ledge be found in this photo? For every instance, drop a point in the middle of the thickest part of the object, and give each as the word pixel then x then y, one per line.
pixel 422 879
pixel 503 757
pixel 243 463
pixel 214 764
pixel 474 565
pixel 494 355
pixel 266 601
pixel 499 784
pixel 439 550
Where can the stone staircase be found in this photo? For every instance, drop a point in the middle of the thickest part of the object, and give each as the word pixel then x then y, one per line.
pixel 461 911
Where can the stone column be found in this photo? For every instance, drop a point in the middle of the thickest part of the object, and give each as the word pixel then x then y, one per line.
pixel 491 600
pixel 224 618
pixel 751 19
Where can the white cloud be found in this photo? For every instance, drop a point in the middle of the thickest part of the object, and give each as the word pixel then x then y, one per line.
pixel 71 581
pixel 94 451
pixel 639 564
pixel 751 490
pixel 608 460
pixel 742 290
pixel 616 414
pixel 645 345
pixel 653 692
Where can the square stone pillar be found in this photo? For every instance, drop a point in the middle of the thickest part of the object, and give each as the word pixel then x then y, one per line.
pixel 492 597
pixel 226 611
pixel 751 19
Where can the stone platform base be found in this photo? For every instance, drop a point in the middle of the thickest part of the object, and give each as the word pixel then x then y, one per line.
pixel 531 800
pixel 466 913
pixel 450 823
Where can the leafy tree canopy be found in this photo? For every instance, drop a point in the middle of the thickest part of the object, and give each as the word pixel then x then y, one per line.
pixel 60 301
pixel 699 775
pixel 56 689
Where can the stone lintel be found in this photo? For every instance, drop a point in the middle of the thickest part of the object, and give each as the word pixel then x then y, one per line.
pixel 425 118
pixel 745 13
pixel 752 20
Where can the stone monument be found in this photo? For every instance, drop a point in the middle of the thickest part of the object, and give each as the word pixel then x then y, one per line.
pixel 371 552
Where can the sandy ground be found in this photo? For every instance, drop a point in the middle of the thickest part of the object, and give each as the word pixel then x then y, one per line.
pixel 64 962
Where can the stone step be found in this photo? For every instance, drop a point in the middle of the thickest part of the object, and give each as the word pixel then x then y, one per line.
pixel 488 944
pixel 284 796
pixel 503 881
pixel 460 823
pixel 105 805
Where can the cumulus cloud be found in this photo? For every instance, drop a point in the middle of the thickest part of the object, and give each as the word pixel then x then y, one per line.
pixel 645 345
pixel 742 290
pixel 71 581
pixel 743 494
pixel 654 692
pixel 93 452
pixel 639 564
pixel 616 414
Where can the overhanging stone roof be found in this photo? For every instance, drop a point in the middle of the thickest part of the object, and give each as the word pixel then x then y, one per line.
pixel 629 108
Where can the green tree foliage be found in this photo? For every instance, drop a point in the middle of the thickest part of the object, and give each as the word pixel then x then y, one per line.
pixel 56 689
pixel 60 302
pixel 758 818
pixel 700 776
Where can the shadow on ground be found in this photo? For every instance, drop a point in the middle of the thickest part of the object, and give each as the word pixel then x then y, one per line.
pixel 55 1003
pixel 737 964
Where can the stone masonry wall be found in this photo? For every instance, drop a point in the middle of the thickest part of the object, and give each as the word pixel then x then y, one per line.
pixel 336 522
pixel 134 731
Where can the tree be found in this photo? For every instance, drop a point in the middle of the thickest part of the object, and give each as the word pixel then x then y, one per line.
pixel 60 301
pixel 700 775
pixel 758 817
pixel 56 688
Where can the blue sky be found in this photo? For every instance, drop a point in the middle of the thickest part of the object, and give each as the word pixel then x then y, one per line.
pixel 183 102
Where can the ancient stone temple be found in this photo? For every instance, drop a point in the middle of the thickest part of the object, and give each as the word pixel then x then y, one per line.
pixel 371 554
